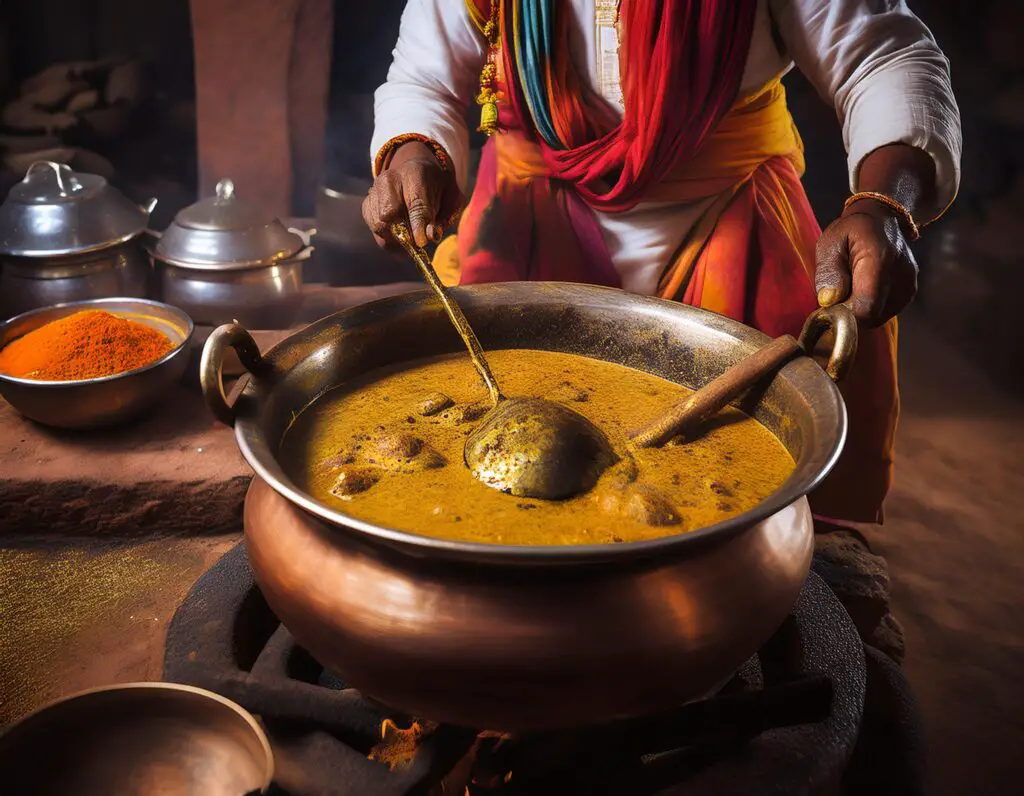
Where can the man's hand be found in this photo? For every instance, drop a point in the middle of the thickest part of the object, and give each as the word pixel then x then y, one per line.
pixel 863 256
pixel 416 188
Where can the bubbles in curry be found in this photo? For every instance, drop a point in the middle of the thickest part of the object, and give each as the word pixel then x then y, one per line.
pixel 388 449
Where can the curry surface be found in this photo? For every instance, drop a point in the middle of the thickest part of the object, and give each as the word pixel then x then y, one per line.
pixel 380 450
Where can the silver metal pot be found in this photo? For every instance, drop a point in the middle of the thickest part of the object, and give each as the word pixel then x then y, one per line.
pixel 521 638
pixel 32 283
pixel 67 236
pixel 223 259
pixel 261 297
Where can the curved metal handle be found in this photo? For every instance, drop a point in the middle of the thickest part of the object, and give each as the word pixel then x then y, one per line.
pixel 840 319
pixel 230 335
pixel 305 234
pixel 58 169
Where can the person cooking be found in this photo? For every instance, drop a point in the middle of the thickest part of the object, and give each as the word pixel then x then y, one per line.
pixel 648 146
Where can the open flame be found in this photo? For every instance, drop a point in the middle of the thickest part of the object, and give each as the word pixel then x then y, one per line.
pixel 472 776
pixel 398 745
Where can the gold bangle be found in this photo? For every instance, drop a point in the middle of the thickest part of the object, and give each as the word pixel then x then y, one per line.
pixel 913 229
pixel 384 154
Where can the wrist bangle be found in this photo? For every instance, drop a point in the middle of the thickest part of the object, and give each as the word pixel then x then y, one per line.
pixel 383 159
pixel 911 228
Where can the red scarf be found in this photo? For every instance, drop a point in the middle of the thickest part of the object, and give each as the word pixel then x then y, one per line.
pixel 683 63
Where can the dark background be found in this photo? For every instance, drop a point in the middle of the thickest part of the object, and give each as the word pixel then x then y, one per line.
pixel 154 154
pixel 955 535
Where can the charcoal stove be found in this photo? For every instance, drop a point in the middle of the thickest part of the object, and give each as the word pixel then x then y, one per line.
pixel 814 712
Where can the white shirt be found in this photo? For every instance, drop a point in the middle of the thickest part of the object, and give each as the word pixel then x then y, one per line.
pixel 873 60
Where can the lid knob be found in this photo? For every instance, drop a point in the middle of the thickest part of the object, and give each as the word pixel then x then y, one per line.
pixel 225 190
pixel 66 182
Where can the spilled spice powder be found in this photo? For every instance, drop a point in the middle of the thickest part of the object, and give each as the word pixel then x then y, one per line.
pixel 85 345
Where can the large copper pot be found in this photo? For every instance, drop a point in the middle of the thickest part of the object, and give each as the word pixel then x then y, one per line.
pixel 516 638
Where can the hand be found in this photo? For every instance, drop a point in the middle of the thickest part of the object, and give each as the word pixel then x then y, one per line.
pixel 414 187
pixel 863 256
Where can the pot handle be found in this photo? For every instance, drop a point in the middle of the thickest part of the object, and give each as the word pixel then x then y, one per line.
pixel 305 234
pixel 230 335
pixel 840 319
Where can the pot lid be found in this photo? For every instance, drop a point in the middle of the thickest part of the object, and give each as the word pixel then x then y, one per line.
pixel 223 231
pixel 56 211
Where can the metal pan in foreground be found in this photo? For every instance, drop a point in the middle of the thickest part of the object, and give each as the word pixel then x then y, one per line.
pixel 138 739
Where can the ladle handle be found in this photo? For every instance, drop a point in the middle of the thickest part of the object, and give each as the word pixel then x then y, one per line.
pixel 211 366
pixel 718 393
pixel 403 235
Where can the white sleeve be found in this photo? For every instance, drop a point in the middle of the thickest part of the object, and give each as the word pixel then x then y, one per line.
pixel 433 78
pixel 878 64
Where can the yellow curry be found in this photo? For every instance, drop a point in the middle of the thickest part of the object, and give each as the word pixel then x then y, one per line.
pixel 388 449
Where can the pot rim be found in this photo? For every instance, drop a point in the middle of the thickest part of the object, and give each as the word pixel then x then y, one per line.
pixel 792 491
pixel 43 254
pixel 98 304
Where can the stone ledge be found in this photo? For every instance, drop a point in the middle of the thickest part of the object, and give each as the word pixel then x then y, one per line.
pixel 175 472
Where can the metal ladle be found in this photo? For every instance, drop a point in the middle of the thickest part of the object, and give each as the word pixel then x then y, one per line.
pixel 533 447
pixel 529 447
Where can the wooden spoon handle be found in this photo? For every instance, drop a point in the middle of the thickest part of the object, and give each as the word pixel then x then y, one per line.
pixel 715 395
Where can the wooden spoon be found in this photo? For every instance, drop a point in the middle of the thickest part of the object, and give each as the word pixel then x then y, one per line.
pixel 687 416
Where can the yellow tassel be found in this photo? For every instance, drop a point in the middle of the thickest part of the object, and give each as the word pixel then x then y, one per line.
pixel 488 118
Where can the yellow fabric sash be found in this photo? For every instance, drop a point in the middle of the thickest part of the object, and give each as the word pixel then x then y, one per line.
pixel 758 128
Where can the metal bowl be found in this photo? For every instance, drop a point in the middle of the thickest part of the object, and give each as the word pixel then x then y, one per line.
pixel 135 740
pixel 104 401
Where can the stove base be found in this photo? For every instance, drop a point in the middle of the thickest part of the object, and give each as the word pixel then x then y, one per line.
pixel 789 723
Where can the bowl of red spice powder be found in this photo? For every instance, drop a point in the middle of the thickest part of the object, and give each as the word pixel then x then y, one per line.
pixel 90 364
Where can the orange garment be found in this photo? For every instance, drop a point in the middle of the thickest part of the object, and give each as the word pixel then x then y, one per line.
pixel 750 256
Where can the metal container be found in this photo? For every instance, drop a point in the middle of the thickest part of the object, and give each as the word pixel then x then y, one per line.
pixel 108 400
pixel 137 739
pixel 346 253
pixel 224 259
pixel 67 236
pixel 527 638
pixel 30 283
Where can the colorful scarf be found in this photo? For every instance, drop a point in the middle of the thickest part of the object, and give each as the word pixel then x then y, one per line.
pixel 686 60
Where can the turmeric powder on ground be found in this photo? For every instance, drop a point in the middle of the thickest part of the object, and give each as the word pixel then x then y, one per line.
pixel 85 345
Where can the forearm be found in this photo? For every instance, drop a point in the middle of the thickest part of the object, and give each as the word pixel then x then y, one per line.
pixel 903 173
